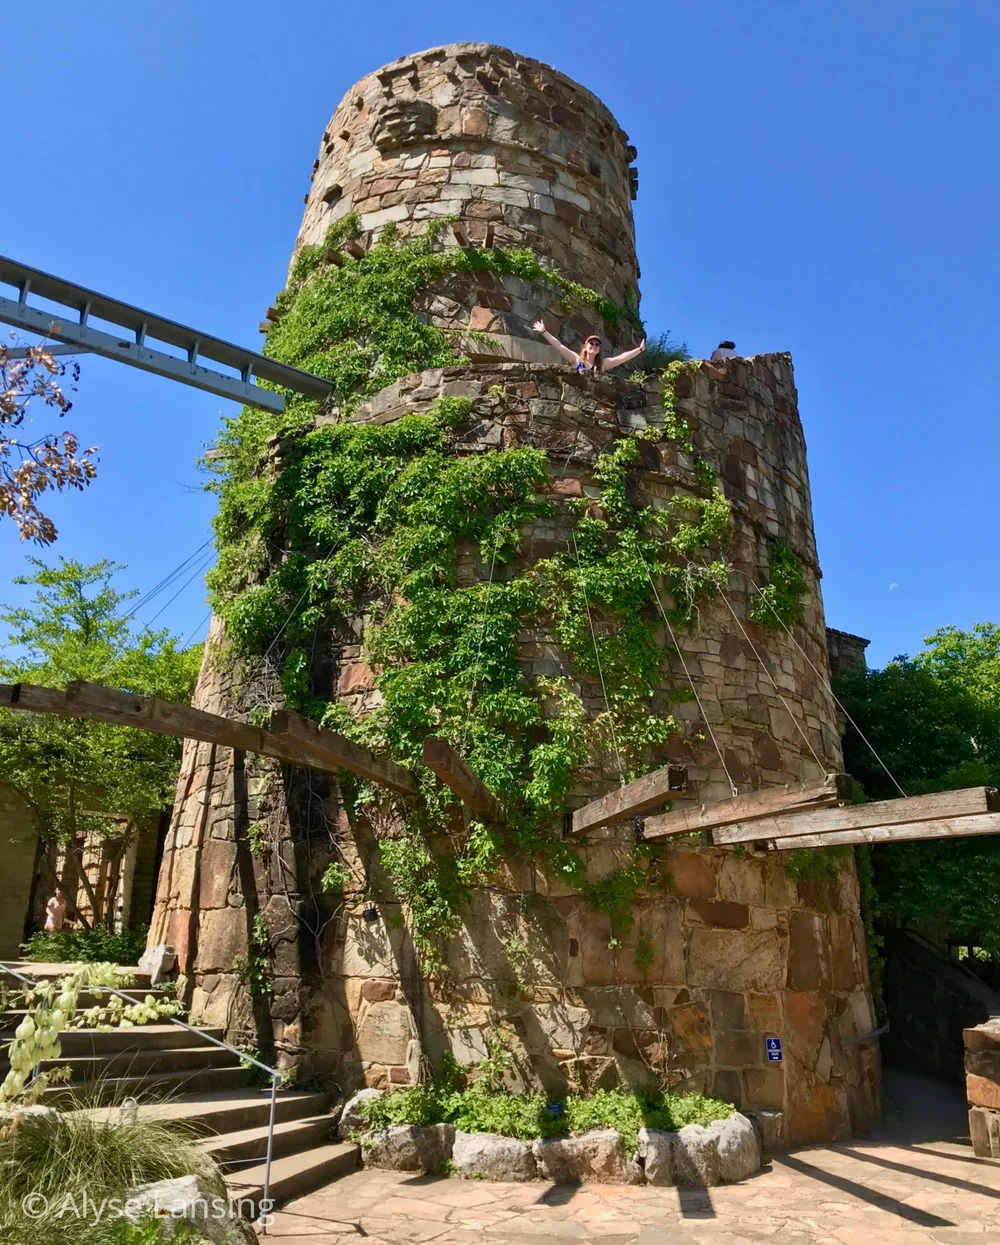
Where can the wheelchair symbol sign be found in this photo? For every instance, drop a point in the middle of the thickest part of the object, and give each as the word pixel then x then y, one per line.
pixel 773 1048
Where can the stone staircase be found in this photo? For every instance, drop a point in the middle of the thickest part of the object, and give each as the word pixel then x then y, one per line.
pixel 174 1076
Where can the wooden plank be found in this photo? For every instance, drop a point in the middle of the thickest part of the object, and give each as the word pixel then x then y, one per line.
pixel 332 751
pixel 961 803
pixel 938 828
pixel 443 761
pixel 646 792
pixel 834 789
pixel 303 744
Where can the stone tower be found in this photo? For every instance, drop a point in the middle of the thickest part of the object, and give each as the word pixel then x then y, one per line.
pixel 732 949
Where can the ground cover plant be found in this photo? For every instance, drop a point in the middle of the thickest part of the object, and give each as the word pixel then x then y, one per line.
pixel 481 1108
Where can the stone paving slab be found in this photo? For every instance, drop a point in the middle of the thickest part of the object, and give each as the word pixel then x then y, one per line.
pixel 863 1193
pixel 916 1182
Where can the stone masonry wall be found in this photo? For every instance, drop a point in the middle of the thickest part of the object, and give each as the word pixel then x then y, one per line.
pixel 519 153
pixel 735 950
pixel 740 952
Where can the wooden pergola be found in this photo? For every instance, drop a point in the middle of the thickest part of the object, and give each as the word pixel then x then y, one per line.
pixel 777 819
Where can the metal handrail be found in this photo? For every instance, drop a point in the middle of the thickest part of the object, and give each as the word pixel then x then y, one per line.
pixel 273 1073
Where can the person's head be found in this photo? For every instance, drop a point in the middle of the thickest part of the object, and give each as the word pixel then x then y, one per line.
pixel 590 352
pixel 727 345
pixel 59 894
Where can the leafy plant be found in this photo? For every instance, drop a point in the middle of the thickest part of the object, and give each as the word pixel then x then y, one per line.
pixel 88 946
pixel 779 603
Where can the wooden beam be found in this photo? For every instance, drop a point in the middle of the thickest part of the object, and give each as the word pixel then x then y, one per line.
pixel 968 801
pixel 834 789
pixel 332 751
pixel 442 759
pixel 636 797
pixel 309 746
pixel 937 828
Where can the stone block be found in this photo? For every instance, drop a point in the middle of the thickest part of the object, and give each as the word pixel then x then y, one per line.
pixel 483 1156
pixel 692 873
pixel 736 960
pixel 719 914
pixel 738 1048
pixel 728 1009
pixel 770 1129
pixel 808 952
pixel 159 962
pixel 384 1033
pixel 408 1147
pixel 984 1132
pixel 352 1118
pixel 765 1087
pixel 738 1147
pixel 597 1156
pixel 981 1091
pixel 188 1204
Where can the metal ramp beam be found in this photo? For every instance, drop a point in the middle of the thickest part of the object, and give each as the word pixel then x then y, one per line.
pixel 130 346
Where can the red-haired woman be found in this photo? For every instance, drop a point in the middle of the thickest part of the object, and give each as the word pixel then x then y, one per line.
pixel 589 357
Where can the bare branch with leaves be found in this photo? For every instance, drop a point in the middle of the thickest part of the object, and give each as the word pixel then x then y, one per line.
pixel 29 467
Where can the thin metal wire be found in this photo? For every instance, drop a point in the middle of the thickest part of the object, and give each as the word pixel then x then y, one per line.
pixel 701 708
pixel 763 666
pixel 482 636
pixel 836 700
pixel 597 655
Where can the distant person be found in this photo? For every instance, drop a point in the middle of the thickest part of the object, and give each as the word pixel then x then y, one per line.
pixel 724 350
pixel 589 357
pixel 55 912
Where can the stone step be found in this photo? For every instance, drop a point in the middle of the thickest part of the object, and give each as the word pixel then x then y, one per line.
pixel 234 1110
pixel 152 1086
pixel 126 1063
pixel 296 1174
pixel 248 1147
pixel 52 972
pixel 144 1037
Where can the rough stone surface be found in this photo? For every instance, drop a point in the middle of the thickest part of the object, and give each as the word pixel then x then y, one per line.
pixel 352 1118
pixel 597 1157
pixel 738 1147
pixel 689 1157
pixel 158 962
pixel 483 1156
pixel 408 1147
pixel 739 952
pixel 770 1129
pixel 188 1200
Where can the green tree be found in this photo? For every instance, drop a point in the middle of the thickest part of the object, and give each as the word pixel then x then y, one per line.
pixel 935 722
pixel 78 776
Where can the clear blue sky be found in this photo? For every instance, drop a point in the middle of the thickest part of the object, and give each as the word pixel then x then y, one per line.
pixel 815 177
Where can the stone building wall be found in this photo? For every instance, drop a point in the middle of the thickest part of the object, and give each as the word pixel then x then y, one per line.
pixel 517 152
pixel 734 949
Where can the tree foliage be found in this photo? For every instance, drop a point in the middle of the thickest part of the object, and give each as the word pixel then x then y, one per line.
pixel 935 722
pixel 32 466
pixel 68 771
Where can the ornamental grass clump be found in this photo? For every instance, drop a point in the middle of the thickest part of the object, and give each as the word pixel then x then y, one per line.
pixel 49 1161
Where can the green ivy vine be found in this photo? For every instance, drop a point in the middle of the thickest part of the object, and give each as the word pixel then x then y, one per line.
pixel 779 603
pixel 388 522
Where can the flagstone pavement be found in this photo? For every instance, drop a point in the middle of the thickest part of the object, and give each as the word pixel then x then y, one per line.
pixel 914 1182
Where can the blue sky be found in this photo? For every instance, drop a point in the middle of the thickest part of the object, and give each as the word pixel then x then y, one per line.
pixel 815 177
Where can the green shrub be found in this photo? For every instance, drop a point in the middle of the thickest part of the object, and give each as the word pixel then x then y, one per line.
pixel 88 946
pixel 482 1109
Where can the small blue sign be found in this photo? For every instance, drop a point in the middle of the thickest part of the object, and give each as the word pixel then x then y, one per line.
pixel 554 1108
pixel 773 1048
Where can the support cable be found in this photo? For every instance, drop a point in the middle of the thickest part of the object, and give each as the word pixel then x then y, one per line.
pixel 597 655
pixel 701 708
pixel 823 677
pixel 763 666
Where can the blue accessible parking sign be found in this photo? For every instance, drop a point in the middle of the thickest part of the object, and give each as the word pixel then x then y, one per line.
pixel 773 1048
